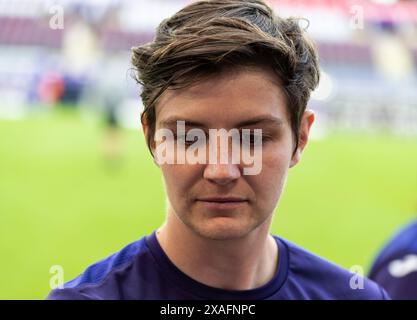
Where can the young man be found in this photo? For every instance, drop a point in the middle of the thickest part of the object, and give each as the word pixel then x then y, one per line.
pixel 228 65
pixel 395 267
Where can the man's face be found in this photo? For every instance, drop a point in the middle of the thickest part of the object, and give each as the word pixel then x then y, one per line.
pixel 216 200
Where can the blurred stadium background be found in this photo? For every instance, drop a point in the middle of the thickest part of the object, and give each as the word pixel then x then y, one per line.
pixel 77 182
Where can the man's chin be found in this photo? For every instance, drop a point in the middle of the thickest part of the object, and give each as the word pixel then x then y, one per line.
pixel 221 229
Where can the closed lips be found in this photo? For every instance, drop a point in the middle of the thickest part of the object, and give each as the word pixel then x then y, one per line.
pixel 222 200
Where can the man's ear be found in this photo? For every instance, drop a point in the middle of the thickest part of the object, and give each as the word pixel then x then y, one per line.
pixel 304 131
pixel 145 129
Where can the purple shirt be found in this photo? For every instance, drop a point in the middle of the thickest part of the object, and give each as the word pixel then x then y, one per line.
pixel 395 268
pixel 142 270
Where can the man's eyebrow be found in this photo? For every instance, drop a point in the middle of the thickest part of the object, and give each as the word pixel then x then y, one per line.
pixel 261 120
pixel 172 122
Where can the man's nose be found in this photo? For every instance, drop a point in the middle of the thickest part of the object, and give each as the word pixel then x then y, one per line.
pixel 222 174
pixel 222 169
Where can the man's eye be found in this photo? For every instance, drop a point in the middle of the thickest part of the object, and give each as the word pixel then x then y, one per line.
pixel 180 138
pixel 252 139
pixel 183 139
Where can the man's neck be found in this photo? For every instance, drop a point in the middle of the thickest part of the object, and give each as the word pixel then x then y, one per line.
pixel 238 264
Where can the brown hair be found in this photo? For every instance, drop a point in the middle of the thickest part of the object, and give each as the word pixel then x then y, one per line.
pixel 208 36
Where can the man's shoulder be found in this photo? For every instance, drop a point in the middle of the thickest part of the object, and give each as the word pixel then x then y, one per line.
pixel 395 267
pixel 92 283
pixel 322 279
pixel 402 243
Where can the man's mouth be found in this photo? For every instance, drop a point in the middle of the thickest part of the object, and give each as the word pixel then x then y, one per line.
pixel 222 203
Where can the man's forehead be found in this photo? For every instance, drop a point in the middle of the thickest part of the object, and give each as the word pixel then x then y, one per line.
pixel 244 121
pixel 225 108
pixel 213 116
pixel 225 80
